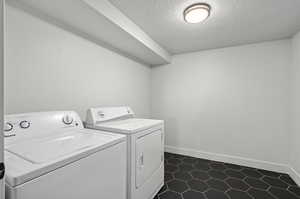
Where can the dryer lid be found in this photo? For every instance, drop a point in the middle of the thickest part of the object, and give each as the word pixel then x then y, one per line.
pixel 127 126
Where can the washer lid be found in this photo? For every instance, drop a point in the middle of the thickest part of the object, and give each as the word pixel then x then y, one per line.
pixel 127 126
pixel 33 158
pixel 44 150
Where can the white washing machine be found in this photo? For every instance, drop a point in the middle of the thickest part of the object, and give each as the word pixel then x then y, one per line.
pixel 50 155
pixel 145 152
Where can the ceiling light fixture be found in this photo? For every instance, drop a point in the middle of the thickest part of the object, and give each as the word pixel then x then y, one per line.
pixel 196 13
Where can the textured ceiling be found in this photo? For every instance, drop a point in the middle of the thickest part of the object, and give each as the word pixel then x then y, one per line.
pixel 232 22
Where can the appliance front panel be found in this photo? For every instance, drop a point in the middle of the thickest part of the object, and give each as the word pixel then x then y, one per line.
pixel 148 156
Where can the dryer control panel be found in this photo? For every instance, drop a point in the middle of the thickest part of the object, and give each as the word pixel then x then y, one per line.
pixel 103 114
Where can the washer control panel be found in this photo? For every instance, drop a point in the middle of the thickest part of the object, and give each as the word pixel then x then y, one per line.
pixel 35 124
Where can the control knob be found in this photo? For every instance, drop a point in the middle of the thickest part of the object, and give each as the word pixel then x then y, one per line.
pixel 67 119
pixel 24 124
pixel 8 127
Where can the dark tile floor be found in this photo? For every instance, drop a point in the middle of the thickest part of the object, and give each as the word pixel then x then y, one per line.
pixel 194 178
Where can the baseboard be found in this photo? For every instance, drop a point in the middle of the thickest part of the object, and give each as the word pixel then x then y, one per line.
pixel 295 175
pixel 271 166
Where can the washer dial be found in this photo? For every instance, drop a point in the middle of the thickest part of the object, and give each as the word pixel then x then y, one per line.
pixel 24 124
pixel 67 119
pixel 8 127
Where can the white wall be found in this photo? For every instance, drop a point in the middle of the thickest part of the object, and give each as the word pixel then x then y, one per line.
pixel 231 101
pixel 295 106
pixel 51 69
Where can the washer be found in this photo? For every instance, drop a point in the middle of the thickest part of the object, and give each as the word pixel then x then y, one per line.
pixel 145 151
pixel 50 155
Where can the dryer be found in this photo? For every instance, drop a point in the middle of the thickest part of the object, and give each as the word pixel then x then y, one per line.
pixel 145 147
pixel 50 155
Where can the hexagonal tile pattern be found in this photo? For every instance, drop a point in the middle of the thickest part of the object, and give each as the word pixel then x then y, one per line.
pixel 170 195
pixel 194 178
pixel 217 174
pixel 233 166
pixel 295 190
pixel 190 160
pixel 201 175
pixel 168 176
pixel 234 174
pixel 174 161
pixel 260 194
pixel 197 185
pixel 184 176
pixel 178 186
pixel 171 168
pixel 237 184
pixel 252 173
pixel 218 184
pixel 275 182
pixel 256 183
pixel 218 166
pixel 203 161
pixel 202 166
pixel 282 193
pixel 287 179
pixel 269 173
pixel 185 167
pixel 214 194
pixel 235 194
pixel 193 195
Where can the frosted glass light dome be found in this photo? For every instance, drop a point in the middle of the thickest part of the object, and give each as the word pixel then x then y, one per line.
pixel 197 13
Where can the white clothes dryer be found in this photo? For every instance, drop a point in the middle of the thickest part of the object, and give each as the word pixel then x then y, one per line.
pixel 145 151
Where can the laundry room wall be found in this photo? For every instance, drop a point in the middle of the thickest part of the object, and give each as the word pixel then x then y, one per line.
pixel 228 104
pixel 51 69
pixel 295 106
